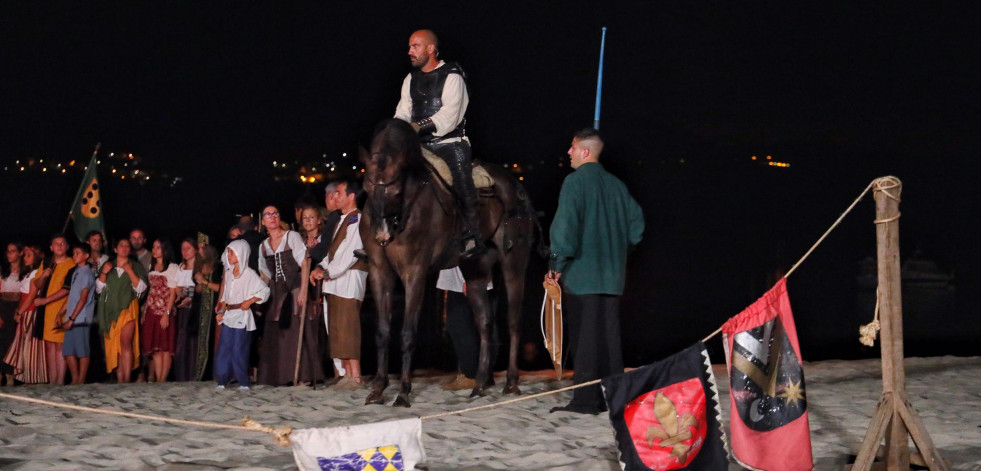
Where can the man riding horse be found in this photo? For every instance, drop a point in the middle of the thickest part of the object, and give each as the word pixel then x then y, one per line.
pixel 434 101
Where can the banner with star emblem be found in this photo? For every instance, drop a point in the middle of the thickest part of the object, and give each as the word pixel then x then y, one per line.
pixel 382 446
pixel 665 415
pixel 768 405
pixel 87 208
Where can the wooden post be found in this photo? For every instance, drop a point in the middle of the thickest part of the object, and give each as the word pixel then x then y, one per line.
pixel 894 419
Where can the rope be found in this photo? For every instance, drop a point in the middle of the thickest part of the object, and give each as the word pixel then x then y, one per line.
pixel 281 435
pixel 833 226
pixel 881 184
pixel 511 401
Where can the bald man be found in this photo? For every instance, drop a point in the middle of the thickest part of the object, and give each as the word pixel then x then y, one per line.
pixel 434 101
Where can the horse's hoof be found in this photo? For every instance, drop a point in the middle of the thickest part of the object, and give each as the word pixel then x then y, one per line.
pixel 512 389
pixel 401 401
pixel 375 397
pixel 477 392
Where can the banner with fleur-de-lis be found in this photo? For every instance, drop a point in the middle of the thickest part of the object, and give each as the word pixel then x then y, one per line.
pixel 665 415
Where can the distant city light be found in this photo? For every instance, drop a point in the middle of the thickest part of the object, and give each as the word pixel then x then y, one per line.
pixel 354 167
pixel 344 154
pixel 753 158
pixel 778 164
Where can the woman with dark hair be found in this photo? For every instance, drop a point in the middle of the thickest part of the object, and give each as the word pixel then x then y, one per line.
pixel 281 256
pixel 186 356
pixel 158 329
pixel 26 353
pixel 122 280
pixel 12 274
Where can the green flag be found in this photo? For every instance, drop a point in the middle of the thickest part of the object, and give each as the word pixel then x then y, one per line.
pixel 87 208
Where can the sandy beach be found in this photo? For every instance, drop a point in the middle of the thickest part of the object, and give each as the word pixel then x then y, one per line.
pixel 841 398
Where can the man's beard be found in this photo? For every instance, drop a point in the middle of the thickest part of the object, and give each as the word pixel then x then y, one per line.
pixel 420 61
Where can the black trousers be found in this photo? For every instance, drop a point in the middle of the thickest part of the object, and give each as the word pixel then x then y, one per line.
pixel 593 322
pixel 465 335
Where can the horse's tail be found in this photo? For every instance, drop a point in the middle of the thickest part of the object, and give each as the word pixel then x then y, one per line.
pixel 542 249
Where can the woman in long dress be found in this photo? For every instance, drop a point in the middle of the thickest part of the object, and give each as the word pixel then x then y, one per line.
pixel 122 280
pixel 186 358
pixel 207 282
pixel 159 328
pixel 12 279
pixel 26 354
pixel 313 348
pixel 280 258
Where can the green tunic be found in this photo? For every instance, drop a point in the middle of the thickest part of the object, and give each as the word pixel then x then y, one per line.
pixel 117 295
pixel 596 222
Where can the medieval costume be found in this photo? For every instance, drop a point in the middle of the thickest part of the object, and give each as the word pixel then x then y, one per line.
pixel 156 338
pixel 437 102
pixel 345 279
pixel 26 354
pixel 119 305
pixel 186 348
pixel 280 337
pixel 232 356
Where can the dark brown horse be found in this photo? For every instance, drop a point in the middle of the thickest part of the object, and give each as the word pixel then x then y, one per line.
pixel 411 227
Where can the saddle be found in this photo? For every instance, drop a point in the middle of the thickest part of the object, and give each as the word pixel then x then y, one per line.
pixel 481 179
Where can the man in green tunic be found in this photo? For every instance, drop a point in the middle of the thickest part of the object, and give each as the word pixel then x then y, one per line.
pixel 595 224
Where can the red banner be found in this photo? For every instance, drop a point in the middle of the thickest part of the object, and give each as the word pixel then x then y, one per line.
pixel 768 406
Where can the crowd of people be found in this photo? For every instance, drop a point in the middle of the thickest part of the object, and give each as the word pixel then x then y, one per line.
pixel 253 311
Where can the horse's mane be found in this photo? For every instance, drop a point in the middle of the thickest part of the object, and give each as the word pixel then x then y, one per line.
pixel 396 137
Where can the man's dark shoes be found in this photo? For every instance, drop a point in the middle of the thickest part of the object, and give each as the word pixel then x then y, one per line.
pixel 576 408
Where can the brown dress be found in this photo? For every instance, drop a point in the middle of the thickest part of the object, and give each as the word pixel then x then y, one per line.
pixel 281 330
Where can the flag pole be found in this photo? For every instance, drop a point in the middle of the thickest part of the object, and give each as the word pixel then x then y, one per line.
pixel 599 82
pixel 71 211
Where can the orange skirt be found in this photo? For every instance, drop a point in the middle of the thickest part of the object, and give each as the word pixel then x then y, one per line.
pixel 112 341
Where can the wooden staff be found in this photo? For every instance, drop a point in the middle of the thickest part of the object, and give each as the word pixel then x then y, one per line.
pixel 302 302
pixel 894 418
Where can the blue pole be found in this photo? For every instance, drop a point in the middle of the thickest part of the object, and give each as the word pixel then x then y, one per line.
pixel 599 82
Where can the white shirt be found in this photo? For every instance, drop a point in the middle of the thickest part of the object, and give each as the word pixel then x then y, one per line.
pixel 451 279
pixel 170 273
pixel 450 115
pixel 11 284
pixel 183 278
pixel 246 286
pixel 296 244
pixel 339 279
pixel 26 287
pixel 138 289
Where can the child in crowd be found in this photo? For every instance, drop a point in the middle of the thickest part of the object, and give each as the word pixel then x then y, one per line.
pixel 240 289
pixel 76 315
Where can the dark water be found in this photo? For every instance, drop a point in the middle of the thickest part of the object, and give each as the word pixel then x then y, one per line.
pixel 716 238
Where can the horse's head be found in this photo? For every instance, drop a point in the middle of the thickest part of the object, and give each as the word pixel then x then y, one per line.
pixel 394 155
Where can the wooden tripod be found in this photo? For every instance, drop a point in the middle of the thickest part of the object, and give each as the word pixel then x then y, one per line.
pixel 894 418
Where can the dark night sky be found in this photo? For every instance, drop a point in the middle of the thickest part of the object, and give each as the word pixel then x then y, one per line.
pixel 846 93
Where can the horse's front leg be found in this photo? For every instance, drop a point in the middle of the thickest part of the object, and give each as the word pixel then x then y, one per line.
pixel 382 286
pixel 415 285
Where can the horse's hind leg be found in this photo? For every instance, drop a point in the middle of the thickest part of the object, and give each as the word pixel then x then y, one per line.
pixel 484 320
pixel 514 265
pixel 382 287
pixel 415 283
